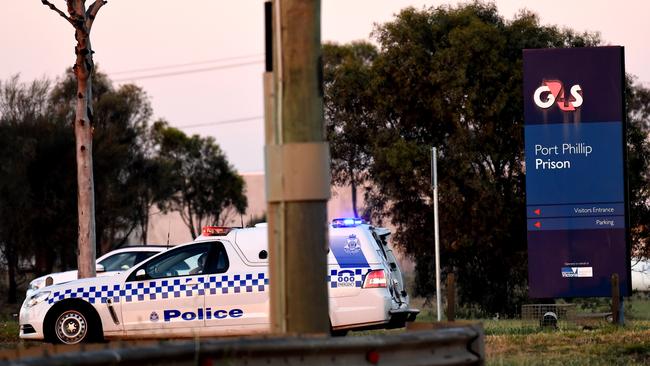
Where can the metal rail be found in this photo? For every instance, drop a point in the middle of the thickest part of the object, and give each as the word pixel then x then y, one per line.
pixel 462 345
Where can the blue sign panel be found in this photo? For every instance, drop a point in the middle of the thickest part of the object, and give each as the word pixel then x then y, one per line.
pixel 576 198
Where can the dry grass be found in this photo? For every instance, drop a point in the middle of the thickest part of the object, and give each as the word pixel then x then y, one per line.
pixel 605 345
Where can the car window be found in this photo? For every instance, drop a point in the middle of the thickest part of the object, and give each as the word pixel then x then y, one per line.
pixel 144 255
pixel 119 261
pixel 190 260
pixel 218 261
pixel 181 262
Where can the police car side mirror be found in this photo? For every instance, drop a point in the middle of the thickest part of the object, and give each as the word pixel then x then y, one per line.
pixel 99 268
pixel 393 266
pixel 140 275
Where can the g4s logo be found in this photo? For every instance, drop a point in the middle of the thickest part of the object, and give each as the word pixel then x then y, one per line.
pixel 553 91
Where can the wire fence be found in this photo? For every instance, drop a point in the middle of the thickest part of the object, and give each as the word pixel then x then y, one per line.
pixel 561 316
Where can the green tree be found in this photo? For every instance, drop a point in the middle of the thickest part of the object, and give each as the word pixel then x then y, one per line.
pixel 36 202
pixel 129 178
pixel 207 187
pixel 638 165
pixel 22 109
pixel 348 112
pixel 38 208
pixel 451 77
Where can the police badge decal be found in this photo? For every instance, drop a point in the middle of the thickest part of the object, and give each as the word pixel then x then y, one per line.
pixel 352 245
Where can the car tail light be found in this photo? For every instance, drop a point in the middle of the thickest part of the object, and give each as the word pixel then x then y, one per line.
pixel 375 279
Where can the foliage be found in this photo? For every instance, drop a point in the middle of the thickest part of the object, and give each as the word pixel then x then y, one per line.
pixel 348 112
pixel 133 170
pixel 208 188
pixel 27 143
pixel 451 77
pixel 127 178
pixel 638 118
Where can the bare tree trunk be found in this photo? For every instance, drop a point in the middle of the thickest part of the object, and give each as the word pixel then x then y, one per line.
pixel 353 187
pixel 44 258
pixel 145 206
pixel 82 21
pixel 191 221
pixel 106 241
pixel 84 142
pixel 12 263
pixel 145 227
pixel 222 218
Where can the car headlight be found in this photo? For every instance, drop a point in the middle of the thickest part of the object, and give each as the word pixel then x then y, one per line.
pixel 38 283
pixel 38 298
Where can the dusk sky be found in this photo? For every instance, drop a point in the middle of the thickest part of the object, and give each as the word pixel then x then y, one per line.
pixel 224 99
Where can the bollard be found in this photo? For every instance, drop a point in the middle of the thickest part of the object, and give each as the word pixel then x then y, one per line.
pixel 451 297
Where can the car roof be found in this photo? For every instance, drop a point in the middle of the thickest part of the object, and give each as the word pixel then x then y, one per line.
pixel 140 248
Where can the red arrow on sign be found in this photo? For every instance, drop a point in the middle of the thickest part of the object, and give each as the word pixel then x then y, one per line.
pixel 538 224
pixel 538 212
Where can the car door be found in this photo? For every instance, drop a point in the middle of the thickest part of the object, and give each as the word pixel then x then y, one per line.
pixel 166 293
pixel 237 295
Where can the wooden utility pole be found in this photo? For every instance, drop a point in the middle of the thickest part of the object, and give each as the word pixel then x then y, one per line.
pixel 297 172
pixel 82 20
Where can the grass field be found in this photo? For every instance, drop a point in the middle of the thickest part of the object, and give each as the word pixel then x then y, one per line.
pixel 506 344
pixel 515 342
pixel 597 342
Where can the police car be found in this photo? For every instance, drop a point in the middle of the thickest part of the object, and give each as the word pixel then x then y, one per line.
pixel 219 285
pixel 108 264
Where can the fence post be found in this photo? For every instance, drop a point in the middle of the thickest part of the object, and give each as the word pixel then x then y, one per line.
pixel 451 297
pixel 615 298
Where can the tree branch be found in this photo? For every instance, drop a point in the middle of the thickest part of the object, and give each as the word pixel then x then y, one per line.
pixel 92 11
pixel 53 7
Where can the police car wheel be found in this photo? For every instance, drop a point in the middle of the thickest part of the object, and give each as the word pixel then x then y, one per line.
pixel 71 327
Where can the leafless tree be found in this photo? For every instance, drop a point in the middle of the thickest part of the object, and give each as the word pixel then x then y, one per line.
pixel 82 19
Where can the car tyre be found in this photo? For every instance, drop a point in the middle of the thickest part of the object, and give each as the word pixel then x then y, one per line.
pixel 72 326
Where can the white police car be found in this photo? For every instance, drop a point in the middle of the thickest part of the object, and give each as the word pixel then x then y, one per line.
pixel 108 264
pixel 218 285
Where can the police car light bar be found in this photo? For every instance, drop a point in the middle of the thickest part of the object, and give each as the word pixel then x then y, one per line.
pixel 347 222
pixel 216 230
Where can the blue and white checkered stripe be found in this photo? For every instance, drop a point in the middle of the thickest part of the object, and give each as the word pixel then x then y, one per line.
pixel 349 277
pixel 90 294
pixel 167 288
pixel 250 282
